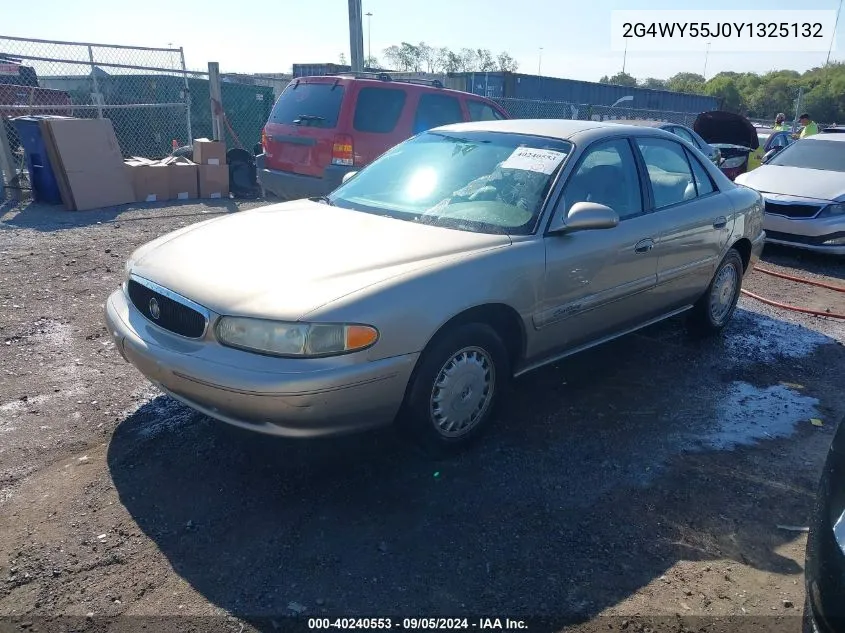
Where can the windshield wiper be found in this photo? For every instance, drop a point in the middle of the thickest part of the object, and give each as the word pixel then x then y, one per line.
pixel 323 200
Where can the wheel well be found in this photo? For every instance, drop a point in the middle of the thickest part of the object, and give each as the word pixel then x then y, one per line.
pixel 502 318
pixel 743 247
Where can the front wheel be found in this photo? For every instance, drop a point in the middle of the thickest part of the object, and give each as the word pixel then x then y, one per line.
pixel 455 388
pixel 714 309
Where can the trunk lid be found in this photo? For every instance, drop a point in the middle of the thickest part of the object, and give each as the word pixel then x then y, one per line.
pixel 300 134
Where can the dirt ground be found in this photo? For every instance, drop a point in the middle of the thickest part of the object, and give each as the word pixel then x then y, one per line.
pixel 655 476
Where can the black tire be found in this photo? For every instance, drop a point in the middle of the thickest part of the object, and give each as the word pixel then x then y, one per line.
pixel 707 319
pixel 473 347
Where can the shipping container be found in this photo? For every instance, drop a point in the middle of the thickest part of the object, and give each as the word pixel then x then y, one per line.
pixel 537 88
pixel 321 70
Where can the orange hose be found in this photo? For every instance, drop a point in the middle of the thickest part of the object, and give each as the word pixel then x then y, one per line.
pixel 810 282
pixel 786 306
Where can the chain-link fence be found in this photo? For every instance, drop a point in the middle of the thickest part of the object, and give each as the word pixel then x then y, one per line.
pixel 536 109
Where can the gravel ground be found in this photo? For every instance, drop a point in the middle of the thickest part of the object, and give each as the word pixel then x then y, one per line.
pixel 646 478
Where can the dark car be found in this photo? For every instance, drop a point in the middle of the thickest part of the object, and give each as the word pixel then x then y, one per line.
pixel 682 131
pixel 733 135
pixel 824 570
pixel 322 128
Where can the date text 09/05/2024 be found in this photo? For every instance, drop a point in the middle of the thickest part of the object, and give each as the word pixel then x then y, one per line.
pixel 416 623
pixel 723 29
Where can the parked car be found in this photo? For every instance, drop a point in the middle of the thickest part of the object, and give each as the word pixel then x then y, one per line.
pixel 803 187
pixel 460 258
pixel 712 153
pixel 733 135
pixel 824 568
pixel 773 142
pixel 324 127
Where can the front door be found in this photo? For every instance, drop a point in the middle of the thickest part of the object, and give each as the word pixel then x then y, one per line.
pixel 599 282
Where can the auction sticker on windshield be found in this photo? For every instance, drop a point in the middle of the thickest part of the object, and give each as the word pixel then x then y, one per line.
pixel 543 161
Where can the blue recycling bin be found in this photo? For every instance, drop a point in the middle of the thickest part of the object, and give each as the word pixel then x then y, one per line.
pixel 45 186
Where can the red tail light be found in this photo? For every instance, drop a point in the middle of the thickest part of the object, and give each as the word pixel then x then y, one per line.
pixel 264 140
pixel 342 153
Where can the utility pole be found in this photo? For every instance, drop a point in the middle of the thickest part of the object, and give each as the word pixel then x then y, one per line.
pixel 625 57
pixel 797 109
pixel 706 55
pixel 369 37
pixel 833 35
pixel 540 63
pixel 356 36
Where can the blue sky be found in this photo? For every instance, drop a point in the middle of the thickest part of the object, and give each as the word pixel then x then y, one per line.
pixel 269 36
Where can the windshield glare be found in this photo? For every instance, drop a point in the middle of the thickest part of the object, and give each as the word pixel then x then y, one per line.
pixel 812 154
pixel 484 182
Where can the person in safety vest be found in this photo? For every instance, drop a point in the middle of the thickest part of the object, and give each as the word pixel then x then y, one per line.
pixel 810 126
pixel 780 123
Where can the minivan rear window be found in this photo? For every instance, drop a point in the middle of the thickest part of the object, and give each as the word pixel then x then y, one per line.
pixel 309 104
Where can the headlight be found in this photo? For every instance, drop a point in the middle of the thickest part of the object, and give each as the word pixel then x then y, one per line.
pixel 732 163
pixel 294 339
pixel 832 211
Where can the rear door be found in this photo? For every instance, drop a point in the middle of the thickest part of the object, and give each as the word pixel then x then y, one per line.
pixel 377 120
pixel 696 219
pixel 300 132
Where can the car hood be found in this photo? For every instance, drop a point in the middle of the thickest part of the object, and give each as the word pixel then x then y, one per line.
pixel 796 181
pixel 286 260
pixel 726 127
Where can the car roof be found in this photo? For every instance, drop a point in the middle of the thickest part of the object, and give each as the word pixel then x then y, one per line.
pixel 565 129
pixel 643 123
pixel 825 137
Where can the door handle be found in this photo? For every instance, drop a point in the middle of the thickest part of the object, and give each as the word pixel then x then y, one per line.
pixel 644 246
pixel 720 222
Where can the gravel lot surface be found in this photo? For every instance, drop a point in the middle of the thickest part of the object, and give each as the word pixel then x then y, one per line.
pixel 648 477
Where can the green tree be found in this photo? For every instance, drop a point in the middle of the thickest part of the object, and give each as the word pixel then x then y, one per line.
pixel 653 83
pixel 619 79
pixel 686 82
pixel 507 63
pixel 724 87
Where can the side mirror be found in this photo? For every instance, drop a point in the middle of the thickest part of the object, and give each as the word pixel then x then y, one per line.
pixel 586 216
pixel 347 176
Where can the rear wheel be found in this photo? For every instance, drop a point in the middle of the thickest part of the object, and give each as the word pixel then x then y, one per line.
pixel 455 388
pixel 716 306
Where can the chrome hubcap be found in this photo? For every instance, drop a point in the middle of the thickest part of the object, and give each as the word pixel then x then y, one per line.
pixel 723 294
pixel 462 392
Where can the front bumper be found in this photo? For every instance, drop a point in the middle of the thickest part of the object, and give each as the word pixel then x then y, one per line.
pixel 807 233
pixel 290 186
pixel 278 396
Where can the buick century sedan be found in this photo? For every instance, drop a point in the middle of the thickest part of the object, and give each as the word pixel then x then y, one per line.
pixel 461 258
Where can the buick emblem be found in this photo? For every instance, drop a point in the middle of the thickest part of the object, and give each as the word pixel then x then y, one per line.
pixel 155 309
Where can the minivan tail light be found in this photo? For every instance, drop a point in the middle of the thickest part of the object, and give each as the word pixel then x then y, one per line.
pixel 342 151
pixel 264 140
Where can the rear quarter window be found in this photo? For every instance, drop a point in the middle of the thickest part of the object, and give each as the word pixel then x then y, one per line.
pixel 309 104
pixel 435 110
pixel 480 111
pixel 378 109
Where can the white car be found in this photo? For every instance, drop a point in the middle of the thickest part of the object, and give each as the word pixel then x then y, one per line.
pixel 803 187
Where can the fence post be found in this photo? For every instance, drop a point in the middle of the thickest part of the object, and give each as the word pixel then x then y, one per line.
pixel 216 99
pixel 98 98
pixel 190 140
pixel 10 180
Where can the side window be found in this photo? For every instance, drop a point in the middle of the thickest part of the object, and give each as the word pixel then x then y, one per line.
pixel 780 141
pixel 679 131
pixel 607 175
pixel 703 181
pixel 479 111
pixel 378 109
pixel 668 171
pixel 435 110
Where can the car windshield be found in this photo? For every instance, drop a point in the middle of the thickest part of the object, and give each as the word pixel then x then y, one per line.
pixel 812 154
pixel 485 182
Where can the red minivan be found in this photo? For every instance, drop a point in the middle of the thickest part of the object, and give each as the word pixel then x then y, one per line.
pixel 322 128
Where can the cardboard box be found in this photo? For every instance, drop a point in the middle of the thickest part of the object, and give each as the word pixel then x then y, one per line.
pixel 150 179
pixel 183 177
pixel 88 163
pixel 214 181
pixel 208 152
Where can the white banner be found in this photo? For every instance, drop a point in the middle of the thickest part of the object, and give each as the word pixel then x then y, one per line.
pixel 753 31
